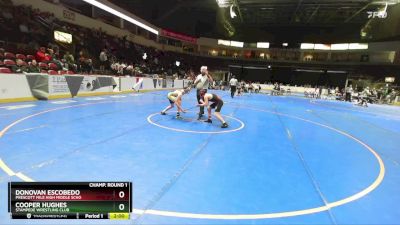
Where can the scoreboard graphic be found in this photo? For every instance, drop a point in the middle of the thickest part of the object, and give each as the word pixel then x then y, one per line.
pixel 70 200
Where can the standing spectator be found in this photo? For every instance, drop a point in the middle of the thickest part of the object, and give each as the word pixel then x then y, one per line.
pixel 155 79
pixel 103 59
pixel 349 91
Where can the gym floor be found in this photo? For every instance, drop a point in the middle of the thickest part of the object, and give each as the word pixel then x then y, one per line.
pixel 283 160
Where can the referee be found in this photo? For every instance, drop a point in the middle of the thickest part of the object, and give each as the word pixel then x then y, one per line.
pixel 201 83
pixel 233 82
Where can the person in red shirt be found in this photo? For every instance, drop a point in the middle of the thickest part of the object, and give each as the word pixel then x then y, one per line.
pixel 41 55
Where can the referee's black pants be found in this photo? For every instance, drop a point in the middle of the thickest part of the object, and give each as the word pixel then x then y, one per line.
pixel 233 91
pixel 198 100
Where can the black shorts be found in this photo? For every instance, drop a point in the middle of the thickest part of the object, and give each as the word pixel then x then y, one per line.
pixel 170 101
pixel 217 105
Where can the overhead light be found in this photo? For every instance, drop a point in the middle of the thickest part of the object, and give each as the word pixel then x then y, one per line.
pixel 363 33
pixel 307 46
pixel 231 43
pixel 233 14
pixel 224 42
pixel 144 56
pixel 237 44
pixel 336 71
pixel 389 79
pixel 269 66
pixel 392 2
pixel 285 44
pixel 177 63
pixel 354 46
pixel 63 37
pixel 249 67
pixel 224 3
pixel 339 46
pixel 121 15
pixel 322 47
pixel 309 71
pixel 262 44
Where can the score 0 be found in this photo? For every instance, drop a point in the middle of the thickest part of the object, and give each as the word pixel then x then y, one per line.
pixel 121 196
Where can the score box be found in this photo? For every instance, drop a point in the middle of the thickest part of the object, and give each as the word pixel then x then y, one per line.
pixel 70 200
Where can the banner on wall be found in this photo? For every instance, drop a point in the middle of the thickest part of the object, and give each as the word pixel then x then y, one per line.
pixel 68 15
pixel 186 83
pixel 98 84
pixel 139 83
pixel 42 86
pixel 74 84
pixel 182 37
pixel 39 85
pixel 58 85
pixel 170 83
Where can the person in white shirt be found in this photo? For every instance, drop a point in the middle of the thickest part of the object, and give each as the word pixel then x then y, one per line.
pixel 201 83
pixel 246 87
pixel 103 59
pixel 349 92
pixel 233 83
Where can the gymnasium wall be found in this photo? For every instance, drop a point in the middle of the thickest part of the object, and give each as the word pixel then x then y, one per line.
pixel 289 76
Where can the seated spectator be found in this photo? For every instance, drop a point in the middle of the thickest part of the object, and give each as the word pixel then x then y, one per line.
pixel 34 67
pixel 129 70
pixel 20 67
pixel 121 68
pixel 81 63
pixel 69 58
pixel 41 55
pixel 85 65
pixel 53 58
pixel 2 51
pixel 69 62
pixel 49 55
pixel 89 64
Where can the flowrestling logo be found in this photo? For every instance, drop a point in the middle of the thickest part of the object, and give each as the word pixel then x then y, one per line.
pixel 382 14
